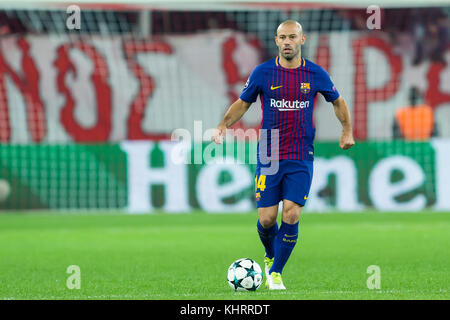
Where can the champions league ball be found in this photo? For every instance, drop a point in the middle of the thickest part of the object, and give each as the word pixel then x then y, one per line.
pixel 244 275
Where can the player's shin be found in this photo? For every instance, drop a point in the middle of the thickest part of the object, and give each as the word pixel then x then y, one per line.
pixel 285 242
pixel 267 236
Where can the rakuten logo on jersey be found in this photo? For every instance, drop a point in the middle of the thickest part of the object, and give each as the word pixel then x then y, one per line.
pixel 285 105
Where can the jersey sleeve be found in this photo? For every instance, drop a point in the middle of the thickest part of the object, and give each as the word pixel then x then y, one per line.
pixel 251 89
pixel 326 86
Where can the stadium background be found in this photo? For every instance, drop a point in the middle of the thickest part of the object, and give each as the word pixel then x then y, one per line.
pixel 86 115
pixel 86 121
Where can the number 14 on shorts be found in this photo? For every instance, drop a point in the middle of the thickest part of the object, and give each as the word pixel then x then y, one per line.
pixel 260 182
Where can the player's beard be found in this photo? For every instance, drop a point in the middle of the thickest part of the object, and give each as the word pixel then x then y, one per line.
pixel 289 56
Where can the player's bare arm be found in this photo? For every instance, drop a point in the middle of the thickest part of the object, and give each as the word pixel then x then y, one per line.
pixel 343 114
pixel 233 114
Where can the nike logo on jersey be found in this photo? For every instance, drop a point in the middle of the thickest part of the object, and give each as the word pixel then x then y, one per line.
pixel 273 88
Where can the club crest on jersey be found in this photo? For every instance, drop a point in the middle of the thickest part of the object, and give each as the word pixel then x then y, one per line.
pixel 305 87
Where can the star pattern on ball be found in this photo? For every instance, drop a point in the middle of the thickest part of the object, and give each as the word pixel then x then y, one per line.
pixel 244 275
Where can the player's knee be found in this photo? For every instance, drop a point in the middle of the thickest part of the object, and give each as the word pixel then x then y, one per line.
pixel 291 214
pixel 267 221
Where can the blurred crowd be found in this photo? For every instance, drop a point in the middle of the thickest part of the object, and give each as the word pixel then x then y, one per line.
pixel 427 28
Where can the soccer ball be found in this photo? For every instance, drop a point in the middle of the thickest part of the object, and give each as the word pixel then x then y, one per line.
pixel 244 275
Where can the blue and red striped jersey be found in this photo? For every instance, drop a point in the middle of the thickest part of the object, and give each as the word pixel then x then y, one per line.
pixel 287 102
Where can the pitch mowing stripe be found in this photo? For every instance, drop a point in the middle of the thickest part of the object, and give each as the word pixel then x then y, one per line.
pixel 249 294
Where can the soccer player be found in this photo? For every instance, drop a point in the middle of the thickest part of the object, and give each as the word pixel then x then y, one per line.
pixel 287 85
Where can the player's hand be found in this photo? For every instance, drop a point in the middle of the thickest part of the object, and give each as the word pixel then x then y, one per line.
pixel 346 141
pixel 219 134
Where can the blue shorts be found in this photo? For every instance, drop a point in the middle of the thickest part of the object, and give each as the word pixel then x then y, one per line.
pixel 291 181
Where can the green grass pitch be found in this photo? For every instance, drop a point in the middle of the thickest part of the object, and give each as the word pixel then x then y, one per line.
pixel 186 256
